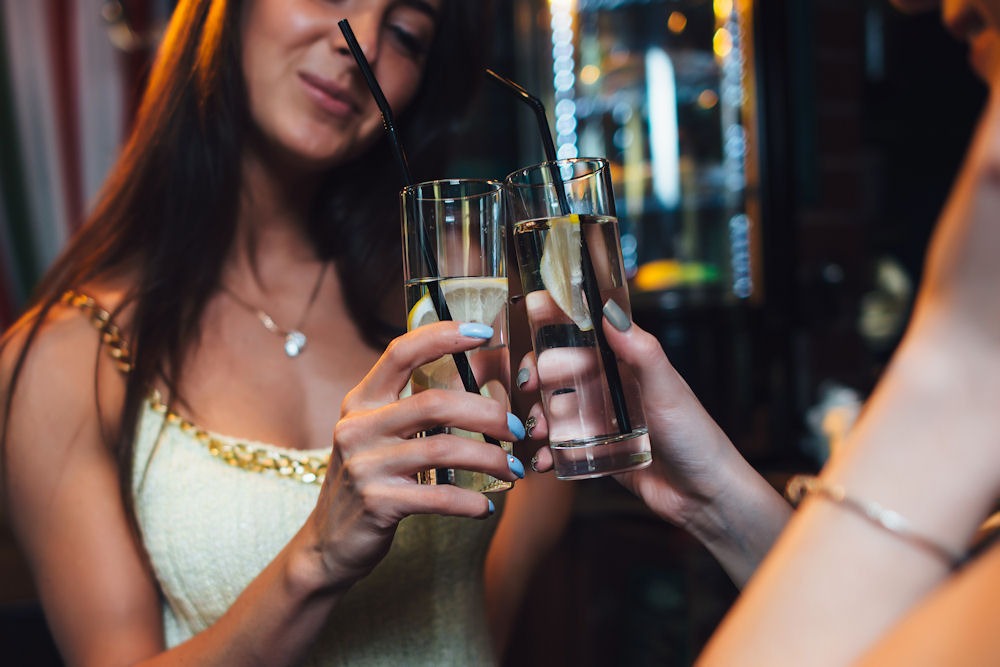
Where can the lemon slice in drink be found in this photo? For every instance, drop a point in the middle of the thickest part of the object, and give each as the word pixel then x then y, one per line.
pixel 561 269
pixel 469 300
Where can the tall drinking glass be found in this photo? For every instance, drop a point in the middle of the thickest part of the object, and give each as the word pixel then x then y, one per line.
pixel 454 243
pixel 569 253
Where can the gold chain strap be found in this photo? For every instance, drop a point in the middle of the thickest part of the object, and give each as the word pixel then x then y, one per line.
pixel 304 468
pixel 111 335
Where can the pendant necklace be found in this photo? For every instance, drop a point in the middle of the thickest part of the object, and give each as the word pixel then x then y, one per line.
pixel 295 340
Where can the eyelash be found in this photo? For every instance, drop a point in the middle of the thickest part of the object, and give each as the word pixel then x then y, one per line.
pixel 413 45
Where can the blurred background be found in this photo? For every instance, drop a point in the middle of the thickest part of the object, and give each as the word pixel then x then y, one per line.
pixel 778 167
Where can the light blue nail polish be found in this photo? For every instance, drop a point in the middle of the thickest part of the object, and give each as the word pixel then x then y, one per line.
pixel 515 466
pixel 493 508
pixel 515 426
pixel 476 330
pixel 523 376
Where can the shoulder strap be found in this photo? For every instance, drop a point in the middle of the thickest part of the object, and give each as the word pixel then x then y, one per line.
pixel 111 335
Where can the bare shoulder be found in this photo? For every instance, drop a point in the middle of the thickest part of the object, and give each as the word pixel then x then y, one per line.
pixel 61 483
pixel 58 377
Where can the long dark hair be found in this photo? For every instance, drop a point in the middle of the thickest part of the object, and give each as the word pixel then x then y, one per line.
pixel 168 209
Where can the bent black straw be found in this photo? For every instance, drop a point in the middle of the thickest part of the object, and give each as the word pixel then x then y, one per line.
pixel 383 104
pixel 590 288
pixel 433 288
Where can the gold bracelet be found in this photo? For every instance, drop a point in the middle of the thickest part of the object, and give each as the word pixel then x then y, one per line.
pixel 802 485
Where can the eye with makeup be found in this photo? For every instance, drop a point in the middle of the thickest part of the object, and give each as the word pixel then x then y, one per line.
pixel 410 26
pixel 413 44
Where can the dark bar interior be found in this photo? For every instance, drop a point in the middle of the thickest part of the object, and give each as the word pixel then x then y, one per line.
pixel 778 165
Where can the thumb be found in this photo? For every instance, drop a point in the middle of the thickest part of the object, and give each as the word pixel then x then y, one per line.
pixel 659 381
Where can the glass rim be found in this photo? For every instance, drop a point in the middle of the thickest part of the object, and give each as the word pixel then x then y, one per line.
pixel 600 164
pixel 487 188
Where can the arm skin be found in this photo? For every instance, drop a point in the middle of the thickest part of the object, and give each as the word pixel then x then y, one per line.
pixel 925 447
pixel 956 625
pixel 535 514
pixel 99 596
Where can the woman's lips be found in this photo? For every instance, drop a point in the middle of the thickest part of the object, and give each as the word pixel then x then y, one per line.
pixel 328 96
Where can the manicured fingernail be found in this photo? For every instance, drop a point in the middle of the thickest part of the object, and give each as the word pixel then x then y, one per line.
pixel 534 462
pixel 616 316
pixel 492 508
pixel 529 426
pixel 476 330
pixel 515 426
pixel 515 466
pixel 523 376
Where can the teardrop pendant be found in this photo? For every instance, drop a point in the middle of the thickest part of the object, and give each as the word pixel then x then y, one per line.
pixel 295 342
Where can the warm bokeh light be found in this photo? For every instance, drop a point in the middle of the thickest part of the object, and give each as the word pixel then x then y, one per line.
pixel 677 22
pixel 723 9
pixel 562 5
pixel 589 74
pixel 722 43
pixel 707 99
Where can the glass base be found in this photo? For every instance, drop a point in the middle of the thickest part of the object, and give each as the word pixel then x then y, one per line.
pixel 601 456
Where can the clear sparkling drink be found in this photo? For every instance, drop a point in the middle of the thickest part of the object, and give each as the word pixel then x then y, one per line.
pixel 586 431
pixel 470 299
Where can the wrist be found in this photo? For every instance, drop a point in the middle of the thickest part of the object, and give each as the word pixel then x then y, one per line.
pixel 307 570
pixel 740 522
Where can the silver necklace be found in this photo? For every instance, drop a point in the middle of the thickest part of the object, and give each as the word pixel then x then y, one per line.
pixel 295 340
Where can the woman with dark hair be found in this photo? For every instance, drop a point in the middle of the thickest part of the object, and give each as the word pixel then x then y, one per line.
pixel 242 270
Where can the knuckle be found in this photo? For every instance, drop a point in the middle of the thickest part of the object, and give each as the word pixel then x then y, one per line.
pixel 648 346
pixel 440 496
pixel 351 400
pixel 437 448
pixel 427 403
pixel 346 432
pixel 354 470
pixel 395 353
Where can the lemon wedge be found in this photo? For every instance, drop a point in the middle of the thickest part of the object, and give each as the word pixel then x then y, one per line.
pixel 561 269
pixel 476 299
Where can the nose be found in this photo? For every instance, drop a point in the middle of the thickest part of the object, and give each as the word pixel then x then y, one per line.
pixel 366 27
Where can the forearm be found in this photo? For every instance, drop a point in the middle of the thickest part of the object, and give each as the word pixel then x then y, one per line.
pixel 834 582
pixel 274 622
pixel 930 635
pixel 523 539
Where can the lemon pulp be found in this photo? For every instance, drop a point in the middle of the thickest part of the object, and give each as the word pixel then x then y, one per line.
pixel 469 299
pixel 475 299
pixel 561 269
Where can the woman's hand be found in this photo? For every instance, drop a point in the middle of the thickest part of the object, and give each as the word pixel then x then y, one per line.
pixel 371 480
pixel 697 480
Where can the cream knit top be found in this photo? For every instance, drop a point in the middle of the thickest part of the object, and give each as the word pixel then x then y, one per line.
pixel 210 528
pixel 213 511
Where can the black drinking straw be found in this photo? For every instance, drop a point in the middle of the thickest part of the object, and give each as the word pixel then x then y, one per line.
pixel 590 288
pixel 433 288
